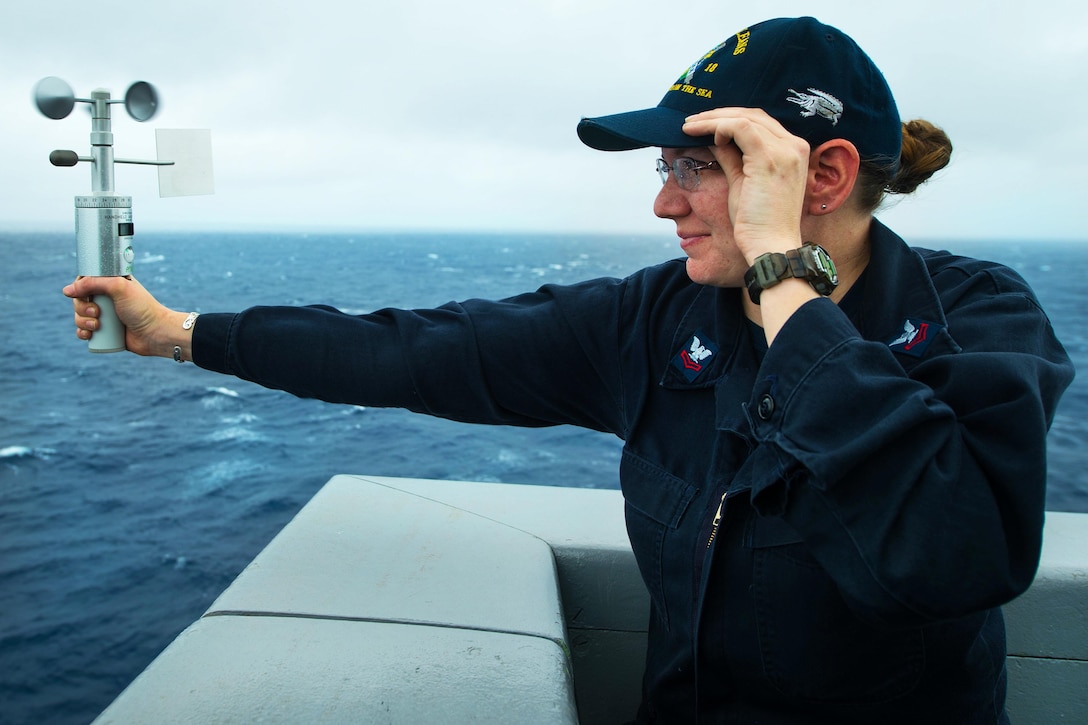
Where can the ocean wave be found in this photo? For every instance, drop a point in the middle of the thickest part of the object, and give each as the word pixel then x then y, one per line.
pixel 236 433
pixel 15 452
pixel 208 480
pixel 21 452
pixel 237 429
pixel 209 395
pixel 241 418
pixel 218 397
pixel 339 411
pixel 175 562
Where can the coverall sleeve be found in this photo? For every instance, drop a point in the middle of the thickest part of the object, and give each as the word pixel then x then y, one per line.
pixel 543 358
pixel 921 493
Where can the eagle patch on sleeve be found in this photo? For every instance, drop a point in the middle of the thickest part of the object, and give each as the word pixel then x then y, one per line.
pixel 915 337
pixel 695 356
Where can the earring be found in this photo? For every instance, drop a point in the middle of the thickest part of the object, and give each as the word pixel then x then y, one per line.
pixel 823 206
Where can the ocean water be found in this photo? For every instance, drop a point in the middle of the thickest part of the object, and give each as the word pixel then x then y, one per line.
pixel 133 491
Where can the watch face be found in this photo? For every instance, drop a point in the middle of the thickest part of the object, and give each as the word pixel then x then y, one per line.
pixel 825 265
pixel 820 270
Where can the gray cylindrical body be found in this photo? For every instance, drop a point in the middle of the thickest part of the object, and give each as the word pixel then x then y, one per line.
pixel 104 236
pixel 104 249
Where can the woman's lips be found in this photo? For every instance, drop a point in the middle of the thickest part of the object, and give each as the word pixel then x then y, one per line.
pixel 687 241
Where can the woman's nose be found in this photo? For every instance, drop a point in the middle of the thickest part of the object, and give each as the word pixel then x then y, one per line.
pixel 671 202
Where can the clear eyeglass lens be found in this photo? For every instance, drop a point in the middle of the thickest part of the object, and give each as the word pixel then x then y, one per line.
pixel 663 171
pixel 687 174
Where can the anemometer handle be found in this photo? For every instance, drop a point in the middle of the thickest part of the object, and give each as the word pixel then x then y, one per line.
pixel 104 249
pixel 110 335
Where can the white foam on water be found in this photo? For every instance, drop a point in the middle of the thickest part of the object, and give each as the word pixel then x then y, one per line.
pixel 16 452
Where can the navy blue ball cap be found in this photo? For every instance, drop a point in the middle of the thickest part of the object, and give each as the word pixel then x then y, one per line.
pixel 811 77
pixel 658 126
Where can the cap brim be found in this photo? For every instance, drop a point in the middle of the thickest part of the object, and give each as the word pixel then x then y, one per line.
pixel 658 126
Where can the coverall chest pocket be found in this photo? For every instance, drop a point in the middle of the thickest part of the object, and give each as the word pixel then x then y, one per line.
pixel 812 645
pixel 655 504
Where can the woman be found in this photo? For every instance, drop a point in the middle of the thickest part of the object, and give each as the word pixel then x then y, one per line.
pixel 834 462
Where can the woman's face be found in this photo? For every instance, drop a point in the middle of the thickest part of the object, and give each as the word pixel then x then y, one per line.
pixel 702 222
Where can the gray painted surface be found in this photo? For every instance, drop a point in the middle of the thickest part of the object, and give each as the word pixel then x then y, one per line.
pixel 401 600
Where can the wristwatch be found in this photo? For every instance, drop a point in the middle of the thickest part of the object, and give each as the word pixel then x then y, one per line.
pixel 811 263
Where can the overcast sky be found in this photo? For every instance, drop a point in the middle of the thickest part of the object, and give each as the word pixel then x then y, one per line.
pixel 419 114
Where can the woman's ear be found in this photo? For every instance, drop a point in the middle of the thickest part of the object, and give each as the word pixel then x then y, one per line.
pixel 833 170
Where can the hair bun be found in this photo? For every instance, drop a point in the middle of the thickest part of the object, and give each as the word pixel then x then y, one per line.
pixel 926 150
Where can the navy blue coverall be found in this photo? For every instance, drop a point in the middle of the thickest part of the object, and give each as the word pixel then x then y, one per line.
pixel 827 528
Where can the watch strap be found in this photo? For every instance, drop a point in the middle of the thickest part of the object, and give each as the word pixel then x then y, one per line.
pixel 810 263
pixel 767 271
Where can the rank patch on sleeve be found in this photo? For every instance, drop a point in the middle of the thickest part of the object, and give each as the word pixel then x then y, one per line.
pixel 916 336
pixel 695 356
